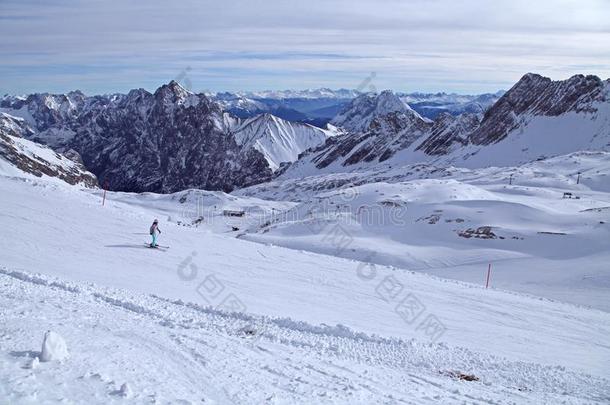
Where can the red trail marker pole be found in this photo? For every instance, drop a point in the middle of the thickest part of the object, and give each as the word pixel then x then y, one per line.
pixel 488 273
pixel 105 187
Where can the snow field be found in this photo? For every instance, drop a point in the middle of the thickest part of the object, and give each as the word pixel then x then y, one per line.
pixel 172 351
pixel 221 319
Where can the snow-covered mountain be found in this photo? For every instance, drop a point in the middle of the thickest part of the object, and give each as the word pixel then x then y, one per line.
pixel 358 115
pixel 164 141
pixel 53 118
pixel 174 139
pixel 26 159
pixel 376 126
pixel 430 105
pixel 537 96
pixel 536 118
pixel 238 105
pixel 295 106
pixel 279 140
pixel 449 132
pixel 14 126
pixel 320 106
pixel 307 93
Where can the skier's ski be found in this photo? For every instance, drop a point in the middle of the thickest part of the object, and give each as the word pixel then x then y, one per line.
pixel 159 247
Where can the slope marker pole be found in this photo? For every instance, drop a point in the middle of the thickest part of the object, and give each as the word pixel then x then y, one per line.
pixel 488 273
pixel 105 187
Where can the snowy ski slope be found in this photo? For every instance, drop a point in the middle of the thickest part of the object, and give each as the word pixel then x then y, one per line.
pixel 226 320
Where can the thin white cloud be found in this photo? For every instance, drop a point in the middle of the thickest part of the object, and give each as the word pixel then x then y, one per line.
pixel 431 45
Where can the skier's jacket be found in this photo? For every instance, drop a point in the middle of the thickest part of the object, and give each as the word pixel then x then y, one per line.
pixel 153 228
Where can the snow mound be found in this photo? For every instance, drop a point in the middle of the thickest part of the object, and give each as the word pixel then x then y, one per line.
pixel 33 363
pixel 54 347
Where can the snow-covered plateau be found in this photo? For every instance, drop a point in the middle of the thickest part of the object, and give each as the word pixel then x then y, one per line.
pixel 306 298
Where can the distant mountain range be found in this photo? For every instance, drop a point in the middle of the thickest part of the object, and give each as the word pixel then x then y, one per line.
pixel 536 118
pixel 174 139
pixel 319 106
pixel 164 141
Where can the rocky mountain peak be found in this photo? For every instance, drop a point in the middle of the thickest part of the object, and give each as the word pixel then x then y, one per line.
pixel 367 108
pixel 536 95
pixel 387 102
pixel 449 132
pixel 137 93
pixel 278 140
pixel 14 126
pixel 173 92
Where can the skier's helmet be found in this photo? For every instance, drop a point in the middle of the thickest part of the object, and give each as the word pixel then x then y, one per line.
pixel 156 221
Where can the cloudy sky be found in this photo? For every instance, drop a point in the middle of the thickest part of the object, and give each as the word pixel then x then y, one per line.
pixel 467 46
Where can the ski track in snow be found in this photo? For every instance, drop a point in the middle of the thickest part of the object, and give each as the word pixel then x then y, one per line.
pixel 186 352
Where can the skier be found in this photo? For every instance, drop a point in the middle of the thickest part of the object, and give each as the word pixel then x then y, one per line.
pixel 154 229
